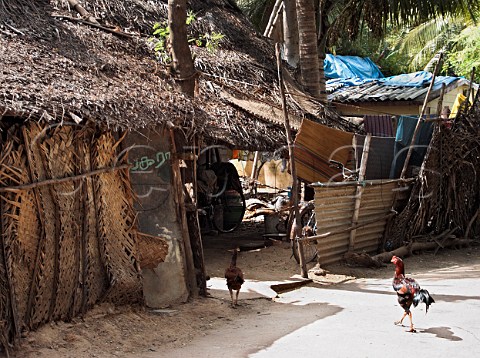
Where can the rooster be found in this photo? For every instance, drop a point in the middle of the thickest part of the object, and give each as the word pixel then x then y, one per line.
pixel 408 292
pixel 234 276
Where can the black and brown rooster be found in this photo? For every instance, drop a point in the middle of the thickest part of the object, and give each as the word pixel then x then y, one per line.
pixel 408 292
pixel 234 276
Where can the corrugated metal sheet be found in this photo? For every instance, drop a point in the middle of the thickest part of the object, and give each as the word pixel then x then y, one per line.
pixel 378 92
pixel 334 209
pixel 379 125
pixel 315 145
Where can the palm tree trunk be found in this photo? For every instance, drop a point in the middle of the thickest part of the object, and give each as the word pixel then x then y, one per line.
pixel 290 33
pixel 322 36
pixel 308 50
pixel 182 62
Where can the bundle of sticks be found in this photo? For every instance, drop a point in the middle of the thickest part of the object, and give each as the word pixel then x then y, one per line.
pixel 446 195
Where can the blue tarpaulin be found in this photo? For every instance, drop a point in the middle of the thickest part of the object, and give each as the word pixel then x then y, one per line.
pixel 350 67
pixel 405 129
pixel 416 79
pixel 353 71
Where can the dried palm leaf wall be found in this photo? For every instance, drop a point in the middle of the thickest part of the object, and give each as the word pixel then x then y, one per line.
pixel 445 200
pixel 68 244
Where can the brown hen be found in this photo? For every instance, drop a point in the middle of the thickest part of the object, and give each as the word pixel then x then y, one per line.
pixel 234 276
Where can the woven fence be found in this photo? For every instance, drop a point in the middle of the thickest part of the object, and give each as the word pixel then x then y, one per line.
pixel 68 235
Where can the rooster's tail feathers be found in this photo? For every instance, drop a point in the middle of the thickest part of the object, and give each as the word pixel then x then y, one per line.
pixel 423 296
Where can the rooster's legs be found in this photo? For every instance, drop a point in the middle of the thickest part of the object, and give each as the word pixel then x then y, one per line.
pixel 236 297
pixel 231 296
pixel 411 322
pixel 401 319
pixel 410 318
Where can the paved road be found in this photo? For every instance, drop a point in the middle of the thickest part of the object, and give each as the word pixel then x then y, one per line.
pixel 354 319
pixel 364 326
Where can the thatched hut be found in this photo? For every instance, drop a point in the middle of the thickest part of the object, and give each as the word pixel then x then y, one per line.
pixel 93 137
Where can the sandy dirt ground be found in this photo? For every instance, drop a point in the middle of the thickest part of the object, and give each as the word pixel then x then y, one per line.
pixel 108 331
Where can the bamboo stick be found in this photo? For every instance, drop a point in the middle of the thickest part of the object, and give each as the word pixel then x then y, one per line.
pixel 356 226
pixel 365 183
pixel 182 217
pixel 255 170
pixel 273 16
pixel 288 131
pixel 61 180
pixel 358 196
pixel 440 104
pixel 420 118
pixel 95 25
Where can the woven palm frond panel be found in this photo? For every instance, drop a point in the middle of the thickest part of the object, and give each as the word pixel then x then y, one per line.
pixel 44 283
pixel 116 218
pixel 20 231
pixel 58 154
pixel 64 245
pixel 94 273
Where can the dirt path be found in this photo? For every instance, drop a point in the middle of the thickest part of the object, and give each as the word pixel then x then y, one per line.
pixel 109 331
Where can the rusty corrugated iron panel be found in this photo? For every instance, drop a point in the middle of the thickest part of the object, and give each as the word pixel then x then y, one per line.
pixel 315 145
pixel 380 126
pixel 334 207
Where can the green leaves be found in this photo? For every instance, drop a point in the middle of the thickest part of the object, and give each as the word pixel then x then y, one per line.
pixel 190 17
pixel 465 53
pixel 161 33
pixel 213 41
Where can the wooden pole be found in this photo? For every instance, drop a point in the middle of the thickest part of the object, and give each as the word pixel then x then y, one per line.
pixel 177 183
pixel 81 10
pixel 469 92
pixel 273 16
pixel 359 191
pixel 296 220
pixel 420 118
pixel 254 173
pixel 440 101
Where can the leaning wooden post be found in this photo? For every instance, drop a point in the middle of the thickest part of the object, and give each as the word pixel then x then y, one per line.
pixel 440 101
pixel 359 191
pixel 296 225
pixel 181 213
pixel 254 174
pixel 420 119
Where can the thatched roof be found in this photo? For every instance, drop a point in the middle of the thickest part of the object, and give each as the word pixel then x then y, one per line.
pixel 55 70
pixel 55 66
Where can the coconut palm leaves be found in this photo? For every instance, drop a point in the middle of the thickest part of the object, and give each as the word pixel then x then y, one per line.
pixel 465 53
pixel 456 36
pixel 258 11
pixel 338 20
